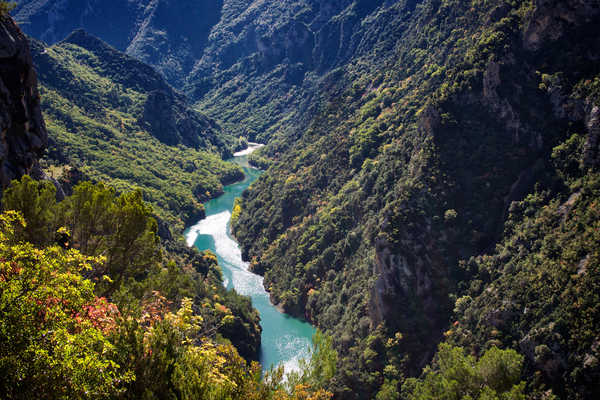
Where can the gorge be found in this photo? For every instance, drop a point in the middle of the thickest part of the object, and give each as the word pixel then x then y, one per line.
pixel 427 201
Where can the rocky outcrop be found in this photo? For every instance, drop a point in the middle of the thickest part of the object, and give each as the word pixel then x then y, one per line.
pixel 552 18
pixel 168 118
pixel 591 151
pixel 23 136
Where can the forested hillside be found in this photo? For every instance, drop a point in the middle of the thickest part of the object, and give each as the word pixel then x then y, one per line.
pixel 93 309
pixel 112 118
pixel 170 35
pixel 444 191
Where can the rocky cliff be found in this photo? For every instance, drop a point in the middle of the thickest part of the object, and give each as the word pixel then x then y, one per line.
pixel 23 133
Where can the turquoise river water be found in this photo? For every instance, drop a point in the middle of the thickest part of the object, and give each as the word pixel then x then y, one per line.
pixel 285 340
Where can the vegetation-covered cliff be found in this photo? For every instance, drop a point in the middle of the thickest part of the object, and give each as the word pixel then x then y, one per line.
pixel 112 118
pixel 92 306
pixel 404 195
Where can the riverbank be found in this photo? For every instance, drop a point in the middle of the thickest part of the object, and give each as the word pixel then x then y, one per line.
pixel 251 148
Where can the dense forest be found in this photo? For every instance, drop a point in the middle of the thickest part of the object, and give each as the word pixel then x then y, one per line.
pixel 92 308
pixel 429 200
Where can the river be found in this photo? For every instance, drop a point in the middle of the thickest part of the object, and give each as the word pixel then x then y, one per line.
pixel 284 340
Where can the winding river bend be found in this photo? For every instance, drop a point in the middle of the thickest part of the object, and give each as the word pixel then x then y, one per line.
pixel 284 340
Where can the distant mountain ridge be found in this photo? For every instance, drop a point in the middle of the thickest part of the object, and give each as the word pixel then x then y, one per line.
pixel 270 55
pixel 170 35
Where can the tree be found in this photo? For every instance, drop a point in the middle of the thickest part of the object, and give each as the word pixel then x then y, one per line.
pixel 456 376
pixel 6 7
pixel 121 229
pixel 52 327
pixel 133 245
pixel 36 201
pixel 320 369
pixel 87 214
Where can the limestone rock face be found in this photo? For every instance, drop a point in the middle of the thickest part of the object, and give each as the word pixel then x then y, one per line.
pixel 552 19
pixel 23 136
pixel 591 156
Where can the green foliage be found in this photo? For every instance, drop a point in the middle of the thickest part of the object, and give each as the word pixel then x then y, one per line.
pixel 58 339
pixel 52 330
pixel 546 268
pixel 120 229
pixel 98 127
pixel 567 157
pixel 6 7
pixel 259 161
pixel 405 167
pixel 237 209
pixel 457 376
pixel 450 215
pixel 172 359
pixel 402 144
pixel 242 144
pixel 320 369
pixel 36 201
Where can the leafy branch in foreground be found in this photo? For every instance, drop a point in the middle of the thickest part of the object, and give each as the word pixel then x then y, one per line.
pixel 6 7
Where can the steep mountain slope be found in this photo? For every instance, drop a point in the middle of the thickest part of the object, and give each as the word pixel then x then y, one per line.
pixel 265 60
pixel 90 302
pixel 170 35
pixel 115 119
pixel 24 137
pixel 253 65
pixel 450 115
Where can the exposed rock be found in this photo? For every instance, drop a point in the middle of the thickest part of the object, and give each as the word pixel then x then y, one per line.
pixel 567 206
pixel 23 136
pixel 164 232
pixel 552 18
pixel 542 348
pixel 293 42
pixel 501 106
pixel 591 152
pixel 523 184
pixel 430 119
pixel 409 273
